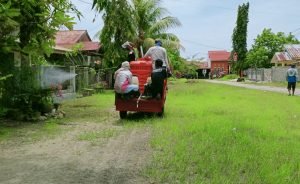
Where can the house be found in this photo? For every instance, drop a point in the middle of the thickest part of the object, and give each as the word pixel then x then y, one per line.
pixel 79 40
pixel 219 60
pixel 203 69
pixel 290 55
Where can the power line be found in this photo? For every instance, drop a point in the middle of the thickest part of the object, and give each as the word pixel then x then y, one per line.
pixel 197 43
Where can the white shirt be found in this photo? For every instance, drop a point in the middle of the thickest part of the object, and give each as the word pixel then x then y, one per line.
pixel 157 52
pixel 121 77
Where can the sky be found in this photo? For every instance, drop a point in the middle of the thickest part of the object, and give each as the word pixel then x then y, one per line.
pixel 208 24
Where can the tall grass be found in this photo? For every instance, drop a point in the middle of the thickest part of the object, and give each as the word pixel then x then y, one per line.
pixel 222 134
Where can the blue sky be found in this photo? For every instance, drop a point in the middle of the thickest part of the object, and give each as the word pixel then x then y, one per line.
pixel 208 24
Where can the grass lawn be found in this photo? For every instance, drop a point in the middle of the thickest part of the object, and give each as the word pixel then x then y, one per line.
pixel 95 109
pixel 211 133
pixel 222 134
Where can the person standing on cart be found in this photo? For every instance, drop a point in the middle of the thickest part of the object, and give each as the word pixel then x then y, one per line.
pixel 131 55
pixel 158 52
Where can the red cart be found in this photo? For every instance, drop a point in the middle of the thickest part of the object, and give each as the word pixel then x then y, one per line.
pixel 142 69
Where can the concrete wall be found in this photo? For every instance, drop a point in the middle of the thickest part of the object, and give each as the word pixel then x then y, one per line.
pixel 274 74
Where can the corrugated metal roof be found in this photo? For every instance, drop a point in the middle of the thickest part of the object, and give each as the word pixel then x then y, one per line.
pixel 293 50
pixel 90 46
pixel 283 56
pixel 219 55
pixel 69 37
pixel 86 46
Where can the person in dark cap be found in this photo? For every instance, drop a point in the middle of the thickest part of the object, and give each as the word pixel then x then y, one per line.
pixel 158 52
pixel 292 78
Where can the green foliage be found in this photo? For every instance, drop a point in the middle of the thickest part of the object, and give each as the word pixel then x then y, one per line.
pixel 265 46
pixel 239 37
pixel 39 22
pixel 175 60
pixel 8 26
pixel 34 23
pixel 118 28
pixel 230 77
pixel 151 23
pixel 137 20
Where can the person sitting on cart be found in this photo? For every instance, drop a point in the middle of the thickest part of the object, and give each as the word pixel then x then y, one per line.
pixel 123 80
pixel 158 75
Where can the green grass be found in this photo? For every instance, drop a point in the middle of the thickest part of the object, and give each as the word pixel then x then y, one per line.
pixel 222 134
pixel 230 77
pixel 211 133
pixel 29 132
pixel 97 135
pixel 95 109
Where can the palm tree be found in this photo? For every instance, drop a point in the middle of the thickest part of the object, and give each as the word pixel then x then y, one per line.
pixel 150 24
pixel 140 21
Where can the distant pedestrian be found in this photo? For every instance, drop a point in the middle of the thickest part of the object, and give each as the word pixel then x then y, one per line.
pixel 292 78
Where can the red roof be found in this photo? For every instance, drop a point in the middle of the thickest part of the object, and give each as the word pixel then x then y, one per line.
pixel 68 39
pixel 219 55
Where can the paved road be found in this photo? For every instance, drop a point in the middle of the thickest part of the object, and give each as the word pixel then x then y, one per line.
pixel 252 86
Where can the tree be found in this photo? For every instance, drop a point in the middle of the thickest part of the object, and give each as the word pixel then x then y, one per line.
pixel 34 23
pixel 265 46
pixel 140 21
pixel 151 23
pixel 40 21
pixel 8 26
pixel 118 28
pixel 239 37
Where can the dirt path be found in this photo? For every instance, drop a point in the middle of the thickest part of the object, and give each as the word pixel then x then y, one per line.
pixel 65 159
pixel 250 86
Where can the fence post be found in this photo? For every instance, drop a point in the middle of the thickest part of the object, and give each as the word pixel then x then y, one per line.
pixel 73 80
pixel 86 76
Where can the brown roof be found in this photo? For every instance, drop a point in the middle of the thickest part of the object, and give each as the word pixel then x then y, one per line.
pixel 219 55
pixel 293 50
pixel 290 56
pixel 281 57
pixel 68 39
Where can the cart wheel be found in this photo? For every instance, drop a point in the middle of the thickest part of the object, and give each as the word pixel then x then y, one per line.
pixel 123 114
pixel 160 114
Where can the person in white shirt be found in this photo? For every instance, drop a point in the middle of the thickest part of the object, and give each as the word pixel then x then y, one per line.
pixel 158 52
pixel 123 80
